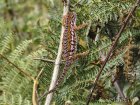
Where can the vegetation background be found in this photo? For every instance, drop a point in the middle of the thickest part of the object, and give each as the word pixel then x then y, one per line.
pixel 30 30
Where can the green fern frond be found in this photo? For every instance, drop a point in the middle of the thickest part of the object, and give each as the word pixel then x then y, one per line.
pixel 7 43
pixel 20 49
pixel 11 99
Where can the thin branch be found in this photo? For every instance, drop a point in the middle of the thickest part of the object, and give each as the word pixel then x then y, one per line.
pixel 40 72
pixel 45 60
pixel 19 69
pixel 58 59
pixel 35 86
pixel 48 60
pixel 34 94
pixel 112 49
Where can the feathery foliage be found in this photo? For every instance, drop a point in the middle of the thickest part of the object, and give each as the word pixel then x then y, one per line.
pixel 26 36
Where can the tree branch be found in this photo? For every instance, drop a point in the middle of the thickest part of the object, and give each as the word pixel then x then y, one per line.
pixel 112 49
pixel 58 59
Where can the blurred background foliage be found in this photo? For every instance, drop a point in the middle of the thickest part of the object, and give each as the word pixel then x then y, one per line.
pixel 30 29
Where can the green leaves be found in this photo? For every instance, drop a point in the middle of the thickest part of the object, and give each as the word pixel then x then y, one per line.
pixel 39 25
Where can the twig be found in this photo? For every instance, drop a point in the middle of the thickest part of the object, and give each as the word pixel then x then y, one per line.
pixel 58 59
pixel 34 94
pixel 19 69
pixel 45 60
pixel 40 72
pixel 35 86
pixel 48 60
pixel 112 49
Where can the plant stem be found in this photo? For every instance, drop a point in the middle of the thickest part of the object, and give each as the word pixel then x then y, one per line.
pixel 58 59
